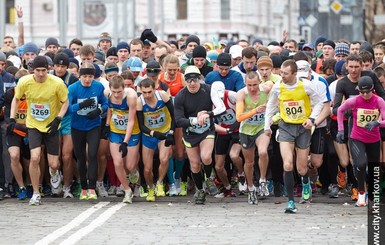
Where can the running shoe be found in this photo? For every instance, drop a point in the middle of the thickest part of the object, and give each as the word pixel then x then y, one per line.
pixel 22 193
pixel 100 189
pixel 151 195
pixel 172 191
pixel 234 180
pixel 252 197
pixel 35 200
pixel 67 192
pixel 83 195
pixel 362 200
pixel 178 186
pixel 183 189
pixel 55 192
pixel 159 190
pixel 306 193
pixel 242 186
pixel 263 190
pixel 341 179
pixel 211 187
pixel 136 190
pixel 291 208
pixel 112 190
pixel 91 195
pixel 270 187
pixel 143 192
pixel 77 189
pixel 11 191
pixel 354 196
pixel 127 196
pixel 56 179
pixel 225 193
pixel 334 190
pixel 120 191
pixel 2 193
pixel 200 197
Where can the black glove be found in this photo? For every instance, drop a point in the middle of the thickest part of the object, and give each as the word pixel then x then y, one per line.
pixel 11 126
pixel 170 140
pixel 159 135
pixel 371 125
pixel 149 35
pixel 340 137
pixel 123 149
pixel 53 126
pixel 87 103
pixel 94 114
pixel 106 132
pixel 233 127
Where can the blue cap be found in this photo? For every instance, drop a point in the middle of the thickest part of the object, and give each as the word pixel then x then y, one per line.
pixel 122 45
pixel 98 72
pixel 30 47
pixel 134 63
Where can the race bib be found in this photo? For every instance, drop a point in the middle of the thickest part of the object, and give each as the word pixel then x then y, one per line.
pixel 199 129
pixel 227 118
pixel 366 115
pixel 120 121
pixel 294 110
pixel 157 120
pixel 86 110
pixel 257 119
pixel 40 111
pixel 21 116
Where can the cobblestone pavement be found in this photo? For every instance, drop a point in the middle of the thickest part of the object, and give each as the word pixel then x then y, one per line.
pixel 176 220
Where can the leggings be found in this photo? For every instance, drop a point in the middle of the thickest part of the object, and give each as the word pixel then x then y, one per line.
pixel 362 153
pixel 80 140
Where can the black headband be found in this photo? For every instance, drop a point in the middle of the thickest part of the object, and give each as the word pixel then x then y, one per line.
pixel 87 71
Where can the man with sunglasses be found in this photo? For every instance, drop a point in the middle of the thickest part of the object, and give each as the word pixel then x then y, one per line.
pixel 365 140
pixel 231 79
pixel 195 114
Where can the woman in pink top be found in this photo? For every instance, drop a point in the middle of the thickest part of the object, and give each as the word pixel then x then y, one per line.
pixel 364 141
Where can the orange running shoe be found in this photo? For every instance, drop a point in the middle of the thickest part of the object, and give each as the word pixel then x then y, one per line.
pixel 354 194
pixel 341 179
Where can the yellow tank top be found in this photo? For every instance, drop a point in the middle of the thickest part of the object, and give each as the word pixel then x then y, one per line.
pixel 294 105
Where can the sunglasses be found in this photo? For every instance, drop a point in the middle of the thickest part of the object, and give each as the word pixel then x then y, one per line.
pixel 195 80
pixel 366 92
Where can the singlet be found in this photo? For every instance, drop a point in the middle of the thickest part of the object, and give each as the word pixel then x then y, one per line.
pixel 175 85
pixel 294 105
pixel 228 118
pixel 21 116
pixel 119 118
pixel 256 123
pixel 156 118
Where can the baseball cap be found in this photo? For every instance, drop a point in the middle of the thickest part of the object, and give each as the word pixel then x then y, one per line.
pixel 224 59
pixel 308 45
pixel 153 68
pixel 134 63
pixel 365 84
pixel 235 51
pixel 303 68
pixel 191 72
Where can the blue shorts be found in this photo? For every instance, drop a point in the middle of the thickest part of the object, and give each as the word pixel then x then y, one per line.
pixel 65 125
pixel 118 138
pixel 150 142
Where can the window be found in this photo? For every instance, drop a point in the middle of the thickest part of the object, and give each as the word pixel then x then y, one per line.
pixel 181 9
pixel 225 9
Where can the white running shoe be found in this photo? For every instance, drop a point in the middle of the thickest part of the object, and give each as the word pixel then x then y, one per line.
pixel 100 189
pixel 55 179
pixel 172 190
pixel 35 200
pixel 127 196
pixel 67 192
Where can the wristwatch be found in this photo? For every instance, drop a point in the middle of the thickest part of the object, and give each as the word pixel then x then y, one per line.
pixel 312 120
pixel 171 131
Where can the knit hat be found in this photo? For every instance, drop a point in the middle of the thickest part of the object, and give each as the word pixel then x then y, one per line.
pixel 51 41
pixel 274 43
pixel 98 72
pixel 199 52
pixel 368 47
pixel 224 59
pixel 105 37
pixel 330 43
pixel 264 61
pixel 193 38
pixel 69 52
pixel 342 49
pixel 277 60
pixel 30 48
pixel 2 57
pixel 40 62
pixel 191 72
pixel 338 67
pixel 112 52
pixel 122 45
pixel 365 84
pixel 74 60
pixel 319 40
pixel 61 59
pixel 99 55
pixel 212 55
pixel 49 60
pixel 152 68
pixel 257 40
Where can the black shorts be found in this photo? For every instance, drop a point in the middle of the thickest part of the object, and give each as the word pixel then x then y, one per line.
pixel 21 142
pixel 192 140
pixel 382 132
pixel 224 141
pixel 37 138
pixel 334 130
pixel 249 141
pixel 104 120
pixel 317 142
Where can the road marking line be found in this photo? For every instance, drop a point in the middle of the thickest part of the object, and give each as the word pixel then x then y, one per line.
pixel 99 221
pixel 72 224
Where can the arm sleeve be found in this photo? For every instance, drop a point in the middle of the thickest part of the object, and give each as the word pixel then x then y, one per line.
pixel 170 108
pixel 348 104
pixel 315 99
pixel 271 106
pixel 143 128
pixel 217 102
pixel 338 97
pixel 180 119
pixel 240 114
